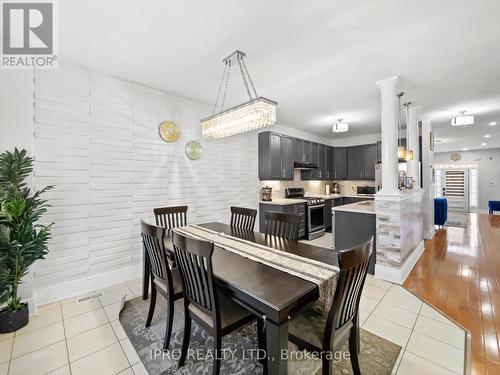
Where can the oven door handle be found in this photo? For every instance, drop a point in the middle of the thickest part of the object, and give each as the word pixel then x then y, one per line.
pixel 317 206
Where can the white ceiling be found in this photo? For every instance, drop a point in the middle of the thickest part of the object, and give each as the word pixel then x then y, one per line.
pixel 319 59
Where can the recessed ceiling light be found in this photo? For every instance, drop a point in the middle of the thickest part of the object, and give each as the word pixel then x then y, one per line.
pixel 487 136
pixel 465 149
pixel 483 144
pixel 493 123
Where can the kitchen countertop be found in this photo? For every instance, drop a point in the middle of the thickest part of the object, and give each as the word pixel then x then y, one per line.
pixel 367 207
pixel 284 201
pixel 335 196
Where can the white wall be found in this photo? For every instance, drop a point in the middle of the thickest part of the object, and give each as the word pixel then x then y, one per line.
pixel 488 171
pixel 16 130
pixel 356 140
pixel 96 139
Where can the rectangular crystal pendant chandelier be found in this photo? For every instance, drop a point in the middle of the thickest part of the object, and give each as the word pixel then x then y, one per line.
pixel 257 113
pixel 254 114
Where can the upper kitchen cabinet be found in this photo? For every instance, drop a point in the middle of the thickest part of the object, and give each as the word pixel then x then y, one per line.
pixel 301 150
pixel 355 163
pixel 369 160
pixel 339 163
pixel 276 156
pixel 329 163
pixel 312 174
pixel 361 162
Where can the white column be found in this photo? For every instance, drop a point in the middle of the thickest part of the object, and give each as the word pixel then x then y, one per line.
pixel 428 182
pixel 412 144
pixel 389 119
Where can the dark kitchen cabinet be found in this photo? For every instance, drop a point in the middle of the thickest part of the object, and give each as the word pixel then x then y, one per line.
pixel 321 171
pixel 275 156
pixel 329 163
pixel 301 150
pixel 312 174
pixel 369 161
pixel 339 163
pixel 328 213
pixel 355 163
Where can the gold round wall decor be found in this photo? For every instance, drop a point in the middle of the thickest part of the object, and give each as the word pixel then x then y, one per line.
pixel 169 132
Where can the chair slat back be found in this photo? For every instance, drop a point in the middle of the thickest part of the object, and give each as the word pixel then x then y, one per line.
pixel 243 218
pixel 171 217
pixel 194 259
pixel 282 225
pixel 152 237
pixel 353 264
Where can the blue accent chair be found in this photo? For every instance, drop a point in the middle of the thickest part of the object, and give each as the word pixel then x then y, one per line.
pixel 493 206
pixel 440 211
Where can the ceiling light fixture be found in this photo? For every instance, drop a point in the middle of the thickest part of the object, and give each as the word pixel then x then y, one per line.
pixel 483 144
pixel 493 123
pixel 257 113
pixel 462 119
pixel 465 149
pixel 340 127
pixel 487 136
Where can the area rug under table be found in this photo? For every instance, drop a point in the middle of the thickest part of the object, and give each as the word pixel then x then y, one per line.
pixel 377 356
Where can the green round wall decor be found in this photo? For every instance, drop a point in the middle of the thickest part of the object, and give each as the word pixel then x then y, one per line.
pixel 194 150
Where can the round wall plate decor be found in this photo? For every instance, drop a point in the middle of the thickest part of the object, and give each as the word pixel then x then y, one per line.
pixel 194 150
pixel 169 132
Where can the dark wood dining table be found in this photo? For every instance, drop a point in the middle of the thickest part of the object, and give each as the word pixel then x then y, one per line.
pixel 266 290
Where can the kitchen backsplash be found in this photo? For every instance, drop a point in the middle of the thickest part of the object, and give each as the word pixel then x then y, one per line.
pixel 311 187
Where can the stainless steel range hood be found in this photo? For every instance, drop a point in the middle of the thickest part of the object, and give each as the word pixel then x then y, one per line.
pixel 304 165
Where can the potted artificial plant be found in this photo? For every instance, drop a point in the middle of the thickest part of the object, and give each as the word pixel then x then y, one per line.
pixel 23 240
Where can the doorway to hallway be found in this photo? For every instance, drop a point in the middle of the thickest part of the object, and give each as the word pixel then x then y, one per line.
pixel 459 184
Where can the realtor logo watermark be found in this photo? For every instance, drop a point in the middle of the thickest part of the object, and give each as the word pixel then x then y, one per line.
pixel 29 38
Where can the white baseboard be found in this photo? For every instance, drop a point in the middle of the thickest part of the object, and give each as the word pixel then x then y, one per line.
pixel 429 234
pixel 87 284
pixel 399 275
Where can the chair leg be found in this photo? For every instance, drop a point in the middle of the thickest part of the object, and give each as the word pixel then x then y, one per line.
pixel 217 353
pixel 152 304
pixel 170 321
pixel 326 365
pixel 261 338
pixel 185 339
pixel 353 351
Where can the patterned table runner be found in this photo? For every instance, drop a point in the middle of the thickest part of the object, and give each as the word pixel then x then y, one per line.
pixel 322 274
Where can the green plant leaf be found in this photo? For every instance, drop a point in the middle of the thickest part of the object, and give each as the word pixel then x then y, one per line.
pixel 23 240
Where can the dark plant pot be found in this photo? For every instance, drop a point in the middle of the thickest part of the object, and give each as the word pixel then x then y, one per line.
pixel 12 321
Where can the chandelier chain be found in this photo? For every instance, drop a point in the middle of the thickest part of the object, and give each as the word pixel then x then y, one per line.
pixel 249 77
pixel 243 75
pixel 227 84
pixel 220 88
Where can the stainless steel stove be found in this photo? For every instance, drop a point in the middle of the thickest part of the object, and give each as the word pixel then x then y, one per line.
pixel 315 212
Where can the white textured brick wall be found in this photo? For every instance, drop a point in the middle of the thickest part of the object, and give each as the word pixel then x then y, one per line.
pixel 96 139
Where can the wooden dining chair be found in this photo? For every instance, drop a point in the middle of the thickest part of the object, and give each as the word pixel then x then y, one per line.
pixel 243 218
pixel 171 217
pixel 282 225
pixel 317 332
pixel 208 306
pixel 164 280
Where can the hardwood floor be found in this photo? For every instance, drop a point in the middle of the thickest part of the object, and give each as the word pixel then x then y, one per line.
pixel 459 274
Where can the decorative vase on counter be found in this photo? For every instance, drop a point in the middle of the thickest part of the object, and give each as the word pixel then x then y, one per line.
pixel 266 194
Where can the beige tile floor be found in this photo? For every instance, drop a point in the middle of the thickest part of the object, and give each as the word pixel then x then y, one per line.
pixel 73 338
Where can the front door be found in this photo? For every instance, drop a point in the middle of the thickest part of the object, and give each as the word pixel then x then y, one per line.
pixel 455 188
